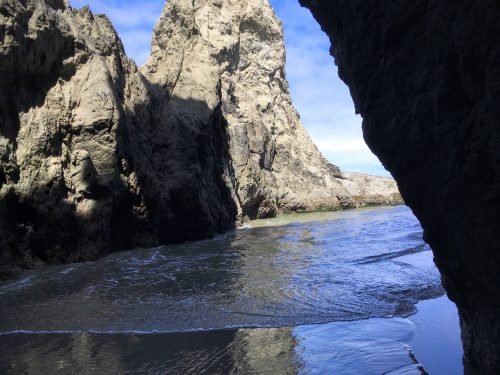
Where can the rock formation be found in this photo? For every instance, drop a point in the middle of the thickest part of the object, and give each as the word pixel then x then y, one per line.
pixel 89 163
pixel 425 77
pixel 231 55
pixel 64 78
pixel 96 155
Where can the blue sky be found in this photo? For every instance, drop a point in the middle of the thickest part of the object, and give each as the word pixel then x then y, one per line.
pixel 321 98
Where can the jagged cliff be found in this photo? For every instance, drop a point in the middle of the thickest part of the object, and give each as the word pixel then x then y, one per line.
pixel 65 84
pixel 89 162
pixel 96 155
pixel 425 77
pixel 231 55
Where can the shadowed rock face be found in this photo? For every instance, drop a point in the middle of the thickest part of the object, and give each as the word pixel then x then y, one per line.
pixel 425 77
pixel 97 156
pixel 89 160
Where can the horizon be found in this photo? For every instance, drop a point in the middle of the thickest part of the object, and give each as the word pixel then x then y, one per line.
pixel 320 97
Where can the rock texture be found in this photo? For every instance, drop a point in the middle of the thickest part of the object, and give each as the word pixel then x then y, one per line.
pixel 231 55
pixel 96 155
pixel 64 76
pixel 425 77
pixel 89 162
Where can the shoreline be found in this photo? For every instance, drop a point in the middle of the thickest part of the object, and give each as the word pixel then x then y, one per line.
pixel 372 263
pixel 9 273
pixel 427 342
pixel 313 216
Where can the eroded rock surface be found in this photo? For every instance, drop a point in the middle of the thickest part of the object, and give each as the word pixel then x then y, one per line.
pixel 64 76
pixel 96 155
pixel 231 55
pixel 425 77
pixel 89 162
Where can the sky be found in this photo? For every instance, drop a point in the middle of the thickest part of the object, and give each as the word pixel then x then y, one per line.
pixel 321 98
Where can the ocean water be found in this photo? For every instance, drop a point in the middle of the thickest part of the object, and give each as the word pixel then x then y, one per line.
pixel 326 293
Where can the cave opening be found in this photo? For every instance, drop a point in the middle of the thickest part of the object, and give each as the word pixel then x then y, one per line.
pixel 327 113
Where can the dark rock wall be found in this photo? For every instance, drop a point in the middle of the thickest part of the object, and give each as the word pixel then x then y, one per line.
pixel 425 76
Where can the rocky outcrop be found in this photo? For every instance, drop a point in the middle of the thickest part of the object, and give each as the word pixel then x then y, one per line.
pixel 64 77
pixel 89 161
pixel 96 155
pixel 231 55
pixel 424 75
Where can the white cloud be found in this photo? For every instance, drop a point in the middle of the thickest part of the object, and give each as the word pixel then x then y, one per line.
pixel 321 98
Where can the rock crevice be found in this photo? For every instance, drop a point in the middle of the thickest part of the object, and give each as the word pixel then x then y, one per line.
pixel 97 155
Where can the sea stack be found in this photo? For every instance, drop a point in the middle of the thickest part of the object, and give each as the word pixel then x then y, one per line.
pixel 98 156
pixel 230 55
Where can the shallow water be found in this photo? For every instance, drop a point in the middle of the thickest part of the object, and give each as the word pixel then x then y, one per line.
pixel 188 308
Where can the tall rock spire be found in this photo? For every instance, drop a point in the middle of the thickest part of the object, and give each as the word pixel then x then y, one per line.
pixel 231 56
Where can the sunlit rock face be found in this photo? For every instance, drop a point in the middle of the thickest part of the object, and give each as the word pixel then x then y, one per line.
pixel 89 161
pixel 425 77
pixel 96 155
pixel 64 81
pixel 231 56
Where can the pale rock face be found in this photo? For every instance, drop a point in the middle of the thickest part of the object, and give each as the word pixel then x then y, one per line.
pixel 64 77
pixel 230 55
pixel 96 155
